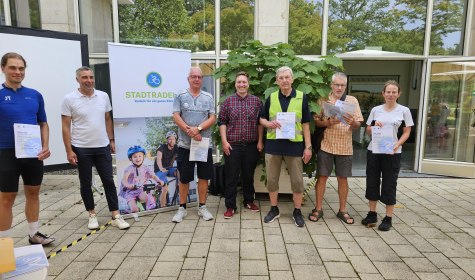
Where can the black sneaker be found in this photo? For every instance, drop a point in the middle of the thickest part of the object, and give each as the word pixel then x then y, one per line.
pixel 298 218
pixel 386 224
pixel 371 218
pixel 40 238
pixel 272 215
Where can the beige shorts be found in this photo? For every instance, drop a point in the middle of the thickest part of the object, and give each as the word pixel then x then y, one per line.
pixel 294 169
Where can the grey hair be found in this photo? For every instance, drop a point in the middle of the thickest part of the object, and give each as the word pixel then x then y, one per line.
pixel 340 75
pixel 195 68
pixel 283 69
pixel 83 68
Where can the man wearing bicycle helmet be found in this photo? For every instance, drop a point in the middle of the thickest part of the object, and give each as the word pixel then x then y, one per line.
pixel 193 112
pixel 135 177
pixel 88 136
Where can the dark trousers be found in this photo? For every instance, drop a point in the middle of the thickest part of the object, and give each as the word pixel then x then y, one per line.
pixel 101 158
pixel 242 160
pixel 386 167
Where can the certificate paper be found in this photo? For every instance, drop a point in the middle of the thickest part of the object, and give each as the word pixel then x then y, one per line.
pixel 382 140
pixel 287 122
pixel 199 149
pixel 339 110
pixel 27 140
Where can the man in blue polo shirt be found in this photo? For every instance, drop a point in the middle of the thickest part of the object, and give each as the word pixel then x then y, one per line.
pixel 22 105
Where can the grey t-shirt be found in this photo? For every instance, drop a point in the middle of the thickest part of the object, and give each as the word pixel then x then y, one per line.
pixel 193 111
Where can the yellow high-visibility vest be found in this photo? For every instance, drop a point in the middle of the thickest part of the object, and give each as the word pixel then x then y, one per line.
pixel 295 105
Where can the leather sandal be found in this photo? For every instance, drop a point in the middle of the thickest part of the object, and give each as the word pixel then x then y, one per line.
pixel 345 217
pixel 315 215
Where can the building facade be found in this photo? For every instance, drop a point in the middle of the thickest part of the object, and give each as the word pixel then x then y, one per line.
pixel 428 46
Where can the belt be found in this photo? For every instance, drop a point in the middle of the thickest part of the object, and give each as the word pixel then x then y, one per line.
pixel 243 143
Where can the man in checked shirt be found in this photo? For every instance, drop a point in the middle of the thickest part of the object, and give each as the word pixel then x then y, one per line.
pixel 241 138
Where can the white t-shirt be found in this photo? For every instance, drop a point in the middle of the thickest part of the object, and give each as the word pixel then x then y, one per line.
pixel 393 118
pixel 88 125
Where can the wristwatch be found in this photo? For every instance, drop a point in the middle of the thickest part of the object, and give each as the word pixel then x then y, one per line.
pixel 200 128
pixel 309 148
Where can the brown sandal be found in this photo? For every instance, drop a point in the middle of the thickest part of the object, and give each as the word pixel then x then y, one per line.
pixel 345 217
pixel 315 215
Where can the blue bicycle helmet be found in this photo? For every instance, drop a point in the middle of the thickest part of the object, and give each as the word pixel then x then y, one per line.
pixel 171 133
pixel 135 149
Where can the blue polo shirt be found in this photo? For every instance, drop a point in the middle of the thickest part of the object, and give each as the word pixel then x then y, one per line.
pixel 24 105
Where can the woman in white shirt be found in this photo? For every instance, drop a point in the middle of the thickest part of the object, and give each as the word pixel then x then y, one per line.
pixel 384 153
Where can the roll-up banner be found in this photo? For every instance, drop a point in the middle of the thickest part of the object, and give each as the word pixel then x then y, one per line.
pixel 144 83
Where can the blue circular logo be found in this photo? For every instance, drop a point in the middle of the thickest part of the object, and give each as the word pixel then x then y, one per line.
pixel 154 79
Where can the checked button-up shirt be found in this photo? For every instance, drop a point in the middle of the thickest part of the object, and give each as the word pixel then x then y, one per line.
pixel 241 117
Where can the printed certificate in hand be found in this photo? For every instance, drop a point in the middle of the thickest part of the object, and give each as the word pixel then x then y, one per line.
pixel 27 140
pixel 287 122
pixel 382 140
pixel 346 107
pixel 199 149
pixel 333 111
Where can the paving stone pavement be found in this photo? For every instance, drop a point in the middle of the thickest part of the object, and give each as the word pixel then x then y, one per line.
pixel 433 237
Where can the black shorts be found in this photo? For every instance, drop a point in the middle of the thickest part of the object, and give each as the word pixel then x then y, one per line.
pixel 11 168
pixel 187 167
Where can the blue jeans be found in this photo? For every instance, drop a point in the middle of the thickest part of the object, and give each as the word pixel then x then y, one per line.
pixel 171 172
pixel 101 158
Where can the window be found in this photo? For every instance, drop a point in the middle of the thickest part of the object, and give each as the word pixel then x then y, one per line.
pixel 305 26
pixel 96 22
pixel 237 23
pixel 388 25
pixel 448 21
pixel 168 23
pixel 25 13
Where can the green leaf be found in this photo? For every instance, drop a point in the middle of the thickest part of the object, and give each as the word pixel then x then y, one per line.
pixel 298 74
pixel 316 79
pixel 305 88
pixel 272 61
pixel 270 90
pixel 335 61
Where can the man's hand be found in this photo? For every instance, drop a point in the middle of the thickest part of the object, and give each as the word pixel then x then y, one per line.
pixel 226 148
pixel 192 131
pixel 72 158
pixel 332 121
pixel 197 137
pixel 112 145
pixel 273 124
pixel 307 155
pixel 163 169
pixel 260 146
pixel 44 154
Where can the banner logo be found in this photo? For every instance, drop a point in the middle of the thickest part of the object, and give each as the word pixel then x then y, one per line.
pixel 154 79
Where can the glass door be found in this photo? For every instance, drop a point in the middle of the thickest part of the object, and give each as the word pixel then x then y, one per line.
pixel 448 130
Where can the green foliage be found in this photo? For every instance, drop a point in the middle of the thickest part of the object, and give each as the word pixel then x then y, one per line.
pixel 155 131
pixel 261 63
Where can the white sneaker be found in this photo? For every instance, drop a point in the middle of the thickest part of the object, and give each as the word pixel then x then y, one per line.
pixel 180 215
pixel 203 212
pixel 119 222
pixel 93 224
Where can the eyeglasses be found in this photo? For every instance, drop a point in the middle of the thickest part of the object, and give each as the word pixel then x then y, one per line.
pixel 193 77
pixel 339 85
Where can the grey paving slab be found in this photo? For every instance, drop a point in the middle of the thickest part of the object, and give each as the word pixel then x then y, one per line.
pixel 111 261
pixel 222 265
pixel 395 270
pixel 420 265
pixel 135 267
pixel 148 247
pixel 252 251
pixel 362 264
pixel 304 272
pixel 76 271
pixel 433 237
pixel 303 254
pixel 278 262
pixel 253 267
pixel 198 250
pixel 171 269
pixel 340 269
